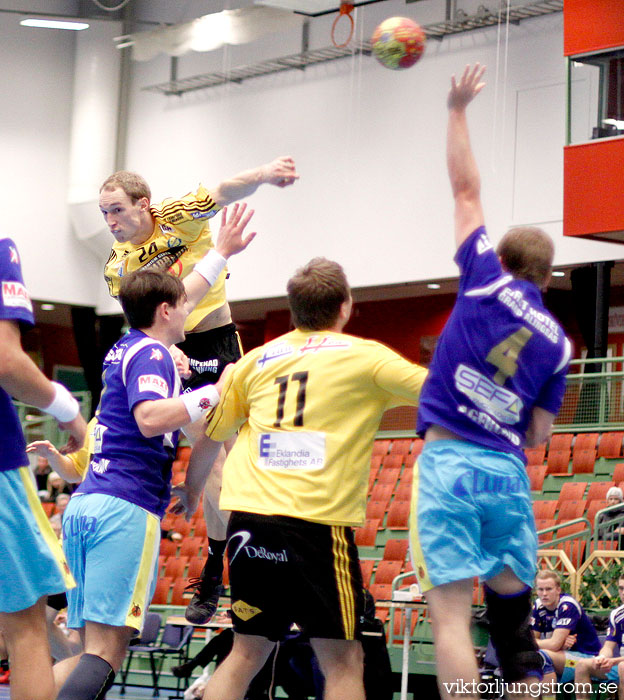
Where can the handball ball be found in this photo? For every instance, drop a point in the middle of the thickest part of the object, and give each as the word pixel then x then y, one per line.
pixel 398 42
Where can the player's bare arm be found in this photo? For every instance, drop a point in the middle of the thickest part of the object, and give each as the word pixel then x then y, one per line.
pixel 540 427
pixel 232 240
pixel 461 163
pixel 556 642
pixel 60 463
pixel 280 172
pixel 22 379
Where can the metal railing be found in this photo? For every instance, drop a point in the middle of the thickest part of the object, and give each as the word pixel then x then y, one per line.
pixel 38 425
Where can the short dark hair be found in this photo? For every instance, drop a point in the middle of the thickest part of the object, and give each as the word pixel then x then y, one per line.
pixel 527 252
pixel 142 291
pixel 132 184
pixel 315 294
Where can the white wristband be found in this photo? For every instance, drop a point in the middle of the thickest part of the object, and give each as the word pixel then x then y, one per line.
pixel 210 266
pixel 199 401
pixel 64 407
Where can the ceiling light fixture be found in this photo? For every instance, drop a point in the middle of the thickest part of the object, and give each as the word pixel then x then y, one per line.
pixel 47 307
pixel 558 273
pixel 54 24
pixel 433 285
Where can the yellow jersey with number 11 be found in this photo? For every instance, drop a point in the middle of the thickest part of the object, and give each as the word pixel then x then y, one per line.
pixel 308 406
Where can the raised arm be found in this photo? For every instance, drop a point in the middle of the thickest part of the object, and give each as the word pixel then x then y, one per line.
pixel 232 240
pixel 462 166
pixel 280 172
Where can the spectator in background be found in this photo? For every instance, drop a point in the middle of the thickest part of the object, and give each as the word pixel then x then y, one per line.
pixel 56 519
pixel 56 485
pixel 40 472
pixel 609 528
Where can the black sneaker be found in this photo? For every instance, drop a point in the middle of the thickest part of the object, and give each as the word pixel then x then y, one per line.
pixel 203 605
pixel 183 670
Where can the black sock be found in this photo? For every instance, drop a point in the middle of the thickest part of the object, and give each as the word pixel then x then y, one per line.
pixel 214 564
pixel 90 680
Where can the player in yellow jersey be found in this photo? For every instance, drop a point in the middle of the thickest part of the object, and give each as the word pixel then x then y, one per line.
pixel 308 405
pixel 174 235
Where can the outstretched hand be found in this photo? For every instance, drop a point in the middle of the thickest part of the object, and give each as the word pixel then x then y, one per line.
pixel 187 502
pixel 231 235
pixel 280 172
pixel 468 87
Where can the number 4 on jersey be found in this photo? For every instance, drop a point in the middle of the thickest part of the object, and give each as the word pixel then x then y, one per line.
pixel 504 356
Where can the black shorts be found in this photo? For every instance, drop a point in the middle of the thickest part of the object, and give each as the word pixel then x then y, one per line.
pixel 209 352
pixel 286 570
pixel 58 601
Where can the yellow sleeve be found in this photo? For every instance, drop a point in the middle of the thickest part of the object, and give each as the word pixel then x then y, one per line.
pixel 231 412
pixel 187 214
pixel 81 458
pixel 402 379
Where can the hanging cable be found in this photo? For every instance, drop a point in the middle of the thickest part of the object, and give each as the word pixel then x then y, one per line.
pixel 106 8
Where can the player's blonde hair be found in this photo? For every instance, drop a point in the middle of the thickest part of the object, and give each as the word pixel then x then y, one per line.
pixel 546 573
pixel 315 294
pixel 132 184
pixel 527 252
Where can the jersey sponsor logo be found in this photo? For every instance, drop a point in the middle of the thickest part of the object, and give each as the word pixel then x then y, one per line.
pixel 13 255
pixel 100 466
pixel 474 482
pixel 165 259
pixel 136 610
pixel 244 610
pixel 520 307
pixel 275 352
pixel 175 218
pixel 152 382
pixel 483 244
pixel 205 366
pixel 203 214
pixel 254 552
pixel 487 422
pixel 499 402
pixel 75 524
pixel 173 241
pixel 316 343
pixel 563 621
pixel 98 437
pixel 15 295
pixel 245 536
pixel 156 354
pixel 291 451
pixel 114 354
pixel 166 229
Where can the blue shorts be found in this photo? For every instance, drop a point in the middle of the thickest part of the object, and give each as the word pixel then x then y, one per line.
pixel 31 558
pixel 471 515
pixel 570 664
pixel 112 548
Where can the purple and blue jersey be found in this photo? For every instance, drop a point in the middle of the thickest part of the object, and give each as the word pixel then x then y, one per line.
pixel 500 354
pixel 615 632
pixel 567 615
pixel 15 305
pixel 125 463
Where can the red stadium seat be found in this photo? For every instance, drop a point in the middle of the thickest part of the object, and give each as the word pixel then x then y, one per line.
pixel 401 446
pixel 366 536
pixel 583 461
pixel 417 446
pixel 571 491
pixel 184 453
pixel 403 492
pixel 389 475
pixel 376 510
pixel 407 476
pixel 199 528
pixel 544 509
pixel 178 597
pixel 195 567
pixel 585 441
pixel 561 441
pixel 382 492
pixel 598 490
pixel 558 462
pixel 48 509
pixel 381 591
pixel 367 566
pixel 398 515
pixel 191 547
pixel 610 445
pixel 535 455
pixel 161 592
pixel 175 567
pixel 536 474
pixel 387 571
pixel 381 447
pixel 570 510
pixel 542 524
pixel 168 548
pixel 394 461
pixel 396 550
pixel 618 473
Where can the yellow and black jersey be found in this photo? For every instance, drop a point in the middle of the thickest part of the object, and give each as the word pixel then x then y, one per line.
pixel 308 405
pixel 81 458
pixel 180 238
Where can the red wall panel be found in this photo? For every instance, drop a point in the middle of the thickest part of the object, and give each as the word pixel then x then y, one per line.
pixel 592 25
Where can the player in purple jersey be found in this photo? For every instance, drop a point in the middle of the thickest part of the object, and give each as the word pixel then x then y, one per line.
pixel 31 562
pixel 495 384
pixel 608 665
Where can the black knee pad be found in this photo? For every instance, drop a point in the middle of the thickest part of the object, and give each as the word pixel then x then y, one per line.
pixel 90 680
pixel 511 635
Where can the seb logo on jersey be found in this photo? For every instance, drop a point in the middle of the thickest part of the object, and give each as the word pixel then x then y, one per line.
pixel 154 383
pixel 14 294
